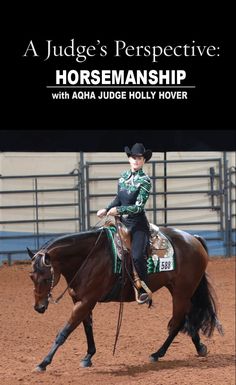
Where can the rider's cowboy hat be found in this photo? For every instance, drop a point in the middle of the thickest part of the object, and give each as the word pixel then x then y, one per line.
pixel 138 149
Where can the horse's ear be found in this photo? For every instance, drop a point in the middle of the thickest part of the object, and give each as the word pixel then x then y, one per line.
pixel 31 254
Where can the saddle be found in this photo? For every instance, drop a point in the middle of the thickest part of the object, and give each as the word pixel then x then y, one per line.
pixel 159 247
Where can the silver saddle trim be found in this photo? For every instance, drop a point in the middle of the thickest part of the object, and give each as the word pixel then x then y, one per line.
pixel 159 244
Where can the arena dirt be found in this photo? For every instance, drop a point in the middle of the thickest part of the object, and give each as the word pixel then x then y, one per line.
pixel 26 337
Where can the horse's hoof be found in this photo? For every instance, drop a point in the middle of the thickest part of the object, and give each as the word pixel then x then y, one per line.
pixel 153 358
pixel 39 369
pixel 85 363
pixel 202 352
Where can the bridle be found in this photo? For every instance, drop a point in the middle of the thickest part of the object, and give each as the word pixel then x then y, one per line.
pixel 51 280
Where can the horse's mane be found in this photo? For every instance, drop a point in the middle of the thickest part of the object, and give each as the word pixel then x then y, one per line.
pixel 70 237
pixel 48 242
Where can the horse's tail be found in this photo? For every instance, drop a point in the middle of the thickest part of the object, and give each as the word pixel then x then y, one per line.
pixel 203 313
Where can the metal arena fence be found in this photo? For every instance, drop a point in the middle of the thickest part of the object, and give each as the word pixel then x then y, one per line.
pixel 200 200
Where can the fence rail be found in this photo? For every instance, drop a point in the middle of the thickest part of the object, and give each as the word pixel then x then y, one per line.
pixel 73 195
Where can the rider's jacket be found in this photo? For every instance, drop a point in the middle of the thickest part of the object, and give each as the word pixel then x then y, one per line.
pixel 133 192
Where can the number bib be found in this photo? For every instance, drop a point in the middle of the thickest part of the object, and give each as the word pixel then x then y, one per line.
pixel 166 264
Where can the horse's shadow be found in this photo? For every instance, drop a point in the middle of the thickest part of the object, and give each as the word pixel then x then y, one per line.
pixel 209 362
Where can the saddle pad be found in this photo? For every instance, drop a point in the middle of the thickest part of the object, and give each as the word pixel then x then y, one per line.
pixel 110 231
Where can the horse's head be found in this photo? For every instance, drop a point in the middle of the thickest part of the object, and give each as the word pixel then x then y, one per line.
pixel 42 277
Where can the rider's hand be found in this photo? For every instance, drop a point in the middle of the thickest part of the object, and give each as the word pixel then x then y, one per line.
pixel 113 211
pixel 101 213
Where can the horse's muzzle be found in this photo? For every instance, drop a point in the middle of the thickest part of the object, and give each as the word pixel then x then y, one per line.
pixel 40 308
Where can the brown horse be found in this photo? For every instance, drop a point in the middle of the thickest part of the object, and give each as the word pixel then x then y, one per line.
pixel 85 260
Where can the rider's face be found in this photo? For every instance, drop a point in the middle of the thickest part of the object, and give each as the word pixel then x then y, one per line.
pixel 136 162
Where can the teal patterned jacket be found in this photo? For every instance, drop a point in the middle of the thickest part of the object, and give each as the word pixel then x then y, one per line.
pixel 133 192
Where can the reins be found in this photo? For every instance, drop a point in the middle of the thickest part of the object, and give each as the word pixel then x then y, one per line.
pixel 121 308
pixel 77 272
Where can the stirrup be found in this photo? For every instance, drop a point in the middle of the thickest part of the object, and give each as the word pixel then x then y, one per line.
pixel 144 297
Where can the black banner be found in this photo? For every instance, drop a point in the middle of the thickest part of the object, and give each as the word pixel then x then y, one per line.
pixel 97 85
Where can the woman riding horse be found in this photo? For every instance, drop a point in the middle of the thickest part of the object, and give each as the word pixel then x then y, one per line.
pixel 133 192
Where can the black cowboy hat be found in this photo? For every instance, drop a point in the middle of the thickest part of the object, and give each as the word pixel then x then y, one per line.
pixel 138 149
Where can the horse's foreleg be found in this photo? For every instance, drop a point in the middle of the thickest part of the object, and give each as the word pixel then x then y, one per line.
pixel 60 339
pixel 80 313
pixel 88 328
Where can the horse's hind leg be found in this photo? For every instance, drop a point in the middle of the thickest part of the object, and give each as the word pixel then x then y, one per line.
pixel 180 309
pixel 162 351
pixel 88 328
pixel 200 347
